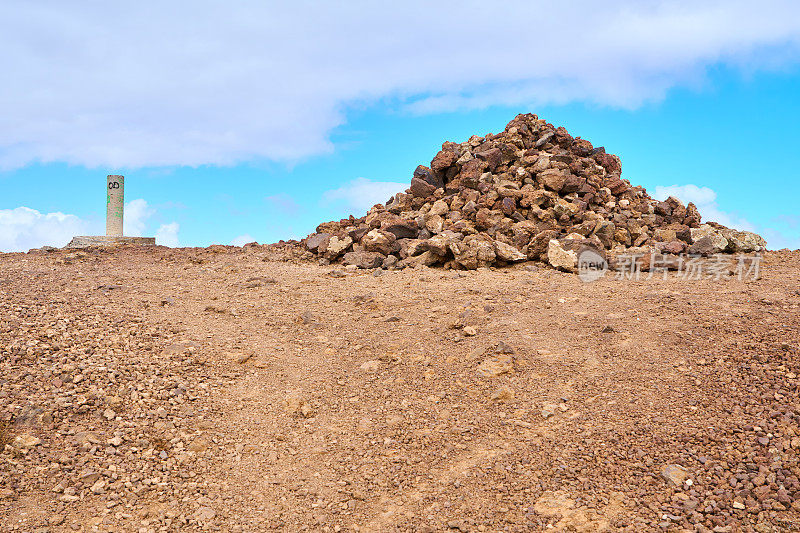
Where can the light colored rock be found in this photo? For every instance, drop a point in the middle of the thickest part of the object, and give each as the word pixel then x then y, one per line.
pixel 370 366
pixel 744 242
pixel 542 163
pixel 716 243
pixel 337 246
pixel 25 442
pixel 473 252
pixel 675 474
pixel 99 487
pixel 378 241
pixel 415 247
pixel 563 207
pixel 297 405
pixel 503 394
pixel 438 244
pixel 560 258
pixel 88 477
pixel 704 230
pixel 439 208
pixel 553 179
pixel 465 158
pixel 434 224
pixel 105 240
pixel 428 258
pixel 508 253
pixel 364 259
pixel 200 444
pixel 205 514
pixel 549 410
pixel 496 365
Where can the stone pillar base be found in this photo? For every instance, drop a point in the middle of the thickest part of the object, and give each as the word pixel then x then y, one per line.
pixel 105 240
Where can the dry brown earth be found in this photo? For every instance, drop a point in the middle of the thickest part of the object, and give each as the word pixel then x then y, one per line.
pixel 226 390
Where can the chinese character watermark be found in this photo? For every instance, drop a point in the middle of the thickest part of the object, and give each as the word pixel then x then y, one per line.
pixel 592 266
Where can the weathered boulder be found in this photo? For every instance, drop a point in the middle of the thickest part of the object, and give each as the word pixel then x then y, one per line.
pixel 564 254
pixel 337 246
pixel 434 224
pixel 443 159
pixel 439 207
pixel 425 174
pixel 315 240
pixel 508 253
pixel 473 252
pixel 605 231
pixel 540 244
pixel 379 241
pixel 707 240
pixel 553 179
pixel 674 247
pixel 364 259
pixel 744 241
pixel 438 244
pixel 427 258
pixel 401 228
pixel 420 188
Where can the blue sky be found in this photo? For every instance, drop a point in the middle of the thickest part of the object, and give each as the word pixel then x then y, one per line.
pixel 261 121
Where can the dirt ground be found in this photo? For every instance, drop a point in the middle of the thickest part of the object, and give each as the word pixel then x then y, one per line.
pixel 226 390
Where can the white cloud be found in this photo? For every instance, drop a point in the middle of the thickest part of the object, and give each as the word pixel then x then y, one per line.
pixel 153 83
pixel 241 240
pixel 134 219
pixel 706 201
pixel 135 222
pixel 167 234
pixel 687 193
pixel 361 194
pixel 23 228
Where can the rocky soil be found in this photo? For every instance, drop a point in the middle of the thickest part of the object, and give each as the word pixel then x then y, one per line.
pixel 532 192
pixel 230 389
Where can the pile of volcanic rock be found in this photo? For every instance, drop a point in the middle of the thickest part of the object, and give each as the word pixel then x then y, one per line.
pixel 530 193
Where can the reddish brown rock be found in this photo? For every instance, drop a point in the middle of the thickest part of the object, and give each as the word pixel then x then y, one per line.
pixel 471 172
pixel 364 259
pixel 420 188
pixel 443 160
pixel 401 228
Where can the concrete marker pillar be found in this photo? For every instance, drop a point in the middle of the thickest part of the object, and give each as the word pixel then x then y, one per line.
pixel 115 205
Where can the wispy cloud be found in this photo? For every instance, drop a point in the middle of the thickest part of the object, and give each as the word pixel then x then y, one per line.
pixel 283 203
pixel 135 217
pixel 705 199
pixel 241 240
pixel 167 234
pixel 361 194
pixel 154 84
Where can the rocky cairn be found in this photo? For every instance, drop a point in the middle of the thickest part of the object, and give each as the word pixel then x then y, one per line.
pixel 530 193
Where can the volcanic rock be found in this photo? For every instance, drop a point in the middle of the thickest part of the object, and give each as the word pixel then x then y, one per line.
pixel 364 259
pixel 516 196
